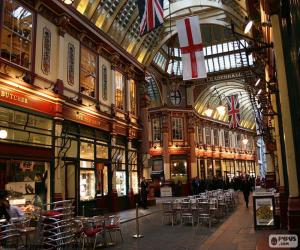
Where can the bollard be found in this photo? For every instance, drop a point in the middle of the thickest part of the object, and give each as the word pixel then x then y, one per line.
pixel 137 235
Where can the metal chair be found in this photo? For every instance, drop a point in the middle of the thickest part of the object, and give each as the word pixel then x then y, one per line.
pixel 186 212
pixel 168 212
pixel 204 213
pixel 113 225
pixel 10 237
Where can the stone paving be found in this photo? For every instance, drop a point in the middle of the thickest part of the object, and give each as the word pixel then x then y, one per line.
pixel 166 237
pixel 235 232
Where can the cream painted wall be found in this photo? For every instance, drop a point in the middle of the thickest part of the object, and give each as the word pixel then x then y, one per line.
pixel 54 56
pixel 75 87
pixel 103 61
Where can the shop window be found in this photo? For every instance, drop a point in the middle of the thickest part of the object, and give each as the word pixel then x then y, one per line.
pixel 119 92
pixel 24 128
pixel 208 135
pixel 226 138
pixel 216 137
pixel 27 181
pixel 177 128
pixel 87 184
pixel 210 170
pixel 238 139
pixel 132 167
pixel 121 183
pixel 101 151
pixel 200 134
pixel 88 72
pixel 101 179
pixel 132 97
pixel 16 39
pixel 104 83
pixel 218 168
pixel 87 150
pixel 179 171
pixel 156 132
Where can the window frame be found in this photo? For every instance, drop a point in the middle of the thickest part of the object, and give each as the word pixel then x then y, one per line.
pixel 33 36
pixel 86 70
pixel 177 128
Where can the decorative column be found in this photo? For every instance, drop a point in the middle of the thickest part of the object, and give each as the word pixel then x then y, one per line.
pixel 61 22
pixel 166 154
pixel 191 135
pixel 205 167
pixel 59 171
pixel 146 124
pixel 294 200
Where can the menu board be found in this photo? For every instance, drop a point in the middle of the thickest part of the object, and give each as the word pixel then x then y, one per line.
pixel 264 211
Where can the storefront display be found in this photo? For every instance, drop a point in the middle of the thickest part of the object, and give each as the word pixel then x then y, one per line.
pixel 27 178
pixel 87 184
pixel 179 171
pixel 121 182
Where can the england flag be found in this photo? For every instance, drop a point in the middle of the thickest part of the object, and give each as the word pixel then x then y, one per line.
pixel 191 48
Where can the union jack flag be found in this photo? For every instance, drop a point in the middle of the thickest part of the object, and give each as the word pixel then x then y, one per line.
pixel 151 14
pixel 233 111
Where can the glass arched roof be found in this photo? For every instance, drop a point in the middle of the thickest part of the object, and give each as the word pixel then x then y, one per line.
pixel 119 19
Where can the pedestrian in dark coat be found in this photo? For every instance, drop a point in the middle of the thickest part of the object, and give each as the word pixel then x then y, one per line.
pixel 144 192
pixel 246 190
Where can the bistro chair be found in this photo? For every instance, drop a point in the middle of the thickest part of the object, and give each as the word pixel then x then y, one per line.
pixel 113 225
pixel 186 212
pixel 10 237
pixel 204 213
pixel 168 212
pixel 92 230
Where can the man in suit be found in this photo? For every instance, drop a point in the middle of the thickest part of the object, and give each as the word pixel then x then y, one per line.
pixel 144 192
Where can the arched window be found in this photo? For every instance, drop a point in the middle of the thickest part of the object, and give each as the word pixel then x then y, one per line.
pixel 104 83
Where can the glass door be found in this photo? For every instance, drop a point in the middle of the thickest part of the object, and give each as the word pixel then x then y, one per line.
pixel 71 182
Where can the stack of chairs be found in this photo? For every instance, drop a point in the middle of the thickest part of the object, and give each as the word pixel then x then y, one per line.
pixel 56 225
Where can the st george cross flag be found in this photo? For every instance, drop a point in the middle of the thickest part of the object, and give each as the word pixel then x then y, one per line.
pixel 151 14
pixel 191 48
pixel 233 111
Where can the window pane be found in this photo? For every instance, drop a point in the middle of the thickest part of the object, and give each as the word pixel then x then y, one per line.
pixel 88 71
pixel 177 126
pixel 87 150
pixel 87 184
pixel 132 97
pixel 16 34
pixel 119 81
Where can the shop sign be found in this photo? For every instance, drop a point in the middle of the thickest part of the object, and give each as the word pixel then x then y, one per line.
pixel 21 99
pixel 264 211
pixel 85 118
pixel 177 151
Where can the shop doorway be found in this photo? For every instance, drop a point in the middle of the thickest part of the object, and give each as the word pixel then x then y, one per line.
pixel 71 182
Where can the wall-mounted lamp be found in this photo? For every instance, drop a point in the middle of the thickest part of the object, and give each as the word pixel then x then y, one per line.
pixel 245 141
pixel 3 134
pixel 248 27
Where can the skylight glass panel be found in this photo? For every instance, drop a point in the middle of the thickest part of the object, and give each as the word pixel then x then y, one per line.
pixel 214 49
pixel 232 61
pixel 230 46
pixel 216 64
pixel 208 50
pixel 225 47
pixel 222 63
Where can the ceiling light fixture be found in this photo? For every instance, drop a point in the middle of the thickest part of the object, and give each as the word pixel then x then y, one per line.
pixel 68 1
pixel 221 109
pixel 257 82
pixel 259 92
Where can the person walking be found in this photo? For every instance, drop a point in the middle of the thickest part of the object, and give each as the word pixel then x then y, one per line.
pixel 246 190
pixel 144 192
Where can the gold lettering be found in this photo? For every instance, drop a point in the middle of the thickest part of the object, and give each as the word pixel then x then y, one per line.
pixel 13 97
